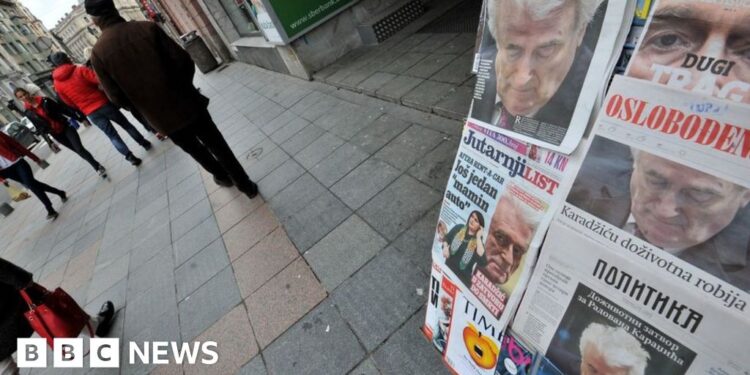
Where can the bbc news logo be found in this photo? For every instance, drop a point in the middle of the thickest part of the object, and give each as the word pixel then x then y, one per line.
pixel 105 353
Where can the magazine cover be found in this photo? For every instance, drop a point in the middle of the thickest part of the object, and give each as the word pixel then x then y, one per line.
pixel 535 81
pixel 516 358
pixel 698 46
pixel 474 343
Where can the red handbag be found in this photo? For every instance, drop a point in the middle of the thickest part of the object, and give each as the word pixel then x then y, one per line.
pixel 57 315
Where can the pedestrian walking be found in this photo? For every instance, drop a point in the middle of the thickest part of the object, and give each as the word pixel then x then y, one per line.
pixel 140 67
pixel 49 115
pixel 78 87
pixel 13 324
pixel 39 132
pixel 14 167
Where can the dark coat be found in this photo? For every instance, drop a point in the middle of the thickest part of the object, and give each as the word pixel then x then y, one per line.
pixel 140 67
pixel 12 322
pixel 55 111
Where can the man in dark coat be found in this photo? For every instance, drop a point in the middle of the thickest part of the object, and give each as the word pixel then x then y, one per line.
pixel 13 324
pixel 140 67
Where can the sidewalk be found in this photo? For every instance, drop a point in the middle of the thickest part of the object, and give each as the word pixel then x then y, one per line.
pixel 327 273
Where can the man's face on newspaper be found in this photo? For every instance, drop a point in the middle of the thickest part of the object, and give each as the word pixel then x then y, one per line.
pixel 677 207
pixel 534 54
pixel 507 241
pixel 594 363
pixel 699 28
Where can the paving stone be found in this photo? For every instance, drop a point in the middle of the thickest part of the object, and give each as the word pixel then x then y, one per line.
pixel 315 220
pixel 347 119
pixel 318 150
pixel 457 71
pixel 222 196
pixel 456 104
pixel 416 242
pixel 427 94
pixel 80 268
pixel 296 196
pixel 159 270
pixel 408 352
pixel 404 63
pixel 261 166
pixel 320 108
pixel 278 122
pixel 409 146
pixel 234 336
pixel 107 274
pixel 430 65
pixel 435 167
pixel 412 41
pixel 343 251
pixel 374 82
pixel 367 367
pixel 236 210
pixel 161 328
pixel 145 228
pixel 185 186
pixel 283 300
pixel 191 218
pixel 250 231
pixel 208 304
pixel 254 367
pixel 149 247
pixel 142 313
pixel 263 261
pixel 338 164
pixel 379 133
pixel 321 343
pixel 179 205
pixel 302 139
pixel 289 130
pixel 398 206
pixel 195 240
pixel 438 123
pixel 380 297
pixel 397 88
pixel 280 178
pixel 462 43
pixel 117 294
pixel 200 268
pixel 368 179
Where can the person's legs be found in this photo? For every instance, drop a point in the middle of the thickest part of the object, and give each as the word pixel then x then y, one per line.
pixel 21 172
pixel 214 141
pixel 186 139
pixel 116 116
pixel 74 143
pixel 8 366
pixel 102 122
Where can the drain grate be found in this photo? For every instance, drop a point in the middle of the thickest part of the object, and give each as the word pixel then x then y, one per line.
pixel 397 20
pixel 462 18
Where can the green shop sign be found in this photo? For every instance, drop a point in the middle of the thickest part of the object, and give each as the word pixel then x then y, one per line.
pixel 293 18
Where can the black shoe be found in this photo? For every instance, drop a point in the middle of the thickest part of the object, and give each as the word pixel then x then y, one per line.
pixel 251 191
pixel 147 145
pixel 64 197
pixel 102 172
pixel 52 215
pixel 106 315
pixel 132 159
pixel 223 182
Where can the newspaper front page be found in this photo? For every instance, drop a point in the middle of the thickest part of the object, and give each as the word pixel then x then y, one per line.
pixel 495 211
pixel 645 266
pixel 699 46
pixel 539 87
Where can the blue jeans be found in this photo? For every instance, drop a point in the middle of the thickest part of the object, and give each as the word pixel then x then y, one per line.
pixel 103 118
pixel 21 172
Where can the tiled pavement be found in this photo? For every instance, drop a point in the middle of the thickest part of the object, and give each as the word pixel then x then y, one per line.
pixel 327 273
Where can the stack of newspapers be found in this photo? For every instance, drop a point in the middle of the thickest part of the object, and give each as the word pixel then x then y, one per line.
pixel 594 224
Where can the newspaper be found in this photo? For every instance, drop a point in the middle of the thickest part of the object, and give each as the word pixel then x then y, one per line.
pixel 495 211
pixel 698 46
pixel 642 10
pixel 539 87
pixel 648 256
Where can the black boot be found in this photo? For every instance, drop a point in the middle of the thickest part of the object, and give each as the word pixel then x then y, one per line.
pixel 133 159
pixel 106 315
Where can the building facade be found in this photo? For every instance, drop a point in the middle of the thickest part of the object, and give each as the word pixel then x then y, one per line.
pixel 24 47
pixel 77 32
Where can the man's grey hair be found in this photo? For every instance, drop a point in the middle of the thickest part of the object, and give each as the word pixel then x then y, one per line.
pixel 616 346
pixel 585 10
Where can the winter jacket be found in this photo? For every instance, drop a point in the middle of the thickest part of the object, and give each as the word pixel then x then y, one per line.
pixel 12 322
pixel 78 87
pixel 47 115
pixel 140 67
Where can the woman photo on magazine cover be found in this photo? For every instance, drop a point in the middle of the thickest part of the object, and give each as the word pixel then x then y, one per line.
pixel 463 247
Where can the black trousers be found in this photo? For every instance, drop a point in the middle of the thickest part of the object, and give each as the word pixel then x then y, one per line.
pixel 70 139
pixel 21 172
pixel 204 142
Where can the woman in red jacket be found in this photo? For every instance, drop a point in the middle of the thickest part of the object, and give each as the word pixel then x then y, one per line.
pixel 14 167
